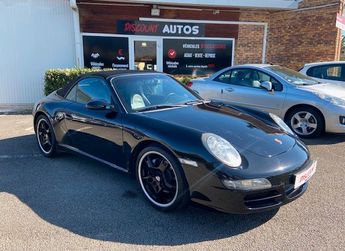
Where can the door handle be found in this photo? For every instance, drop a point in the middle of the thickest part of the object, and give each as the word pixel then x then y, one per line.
pixel 229 89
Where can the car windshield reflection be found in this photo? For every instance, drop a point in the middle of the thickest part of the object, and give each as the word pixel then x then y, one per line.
pixel 151 92
pixel 293 77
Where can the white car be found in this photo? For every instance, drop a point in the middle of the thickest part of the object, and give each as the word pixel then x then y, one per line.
pixel 330 72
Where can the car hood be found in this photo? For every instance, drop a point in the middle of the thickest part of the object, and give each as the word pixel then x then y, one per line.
pixel 243 130
pixel 334 90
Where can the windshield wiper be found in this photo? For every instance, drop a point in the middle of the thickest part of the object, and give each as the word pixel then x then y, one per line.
pixel 157 107
pixel 196 102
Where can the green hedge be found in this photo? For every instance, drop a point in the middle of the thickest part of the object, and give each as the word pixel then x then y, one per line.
pixel 56 78
pixel 184 79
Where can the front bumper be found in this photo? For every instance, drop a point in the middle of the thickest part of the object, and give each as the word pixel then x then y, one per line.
pixel 332 116
pixel 239 202
pixel 211 192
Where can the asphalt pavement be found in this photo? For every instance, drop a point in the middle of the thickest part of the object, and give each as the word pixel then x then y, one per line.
pixel 74 203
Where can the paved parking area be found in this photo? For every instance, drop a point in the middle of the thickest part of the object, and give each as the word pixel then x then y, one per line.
pixel 75 203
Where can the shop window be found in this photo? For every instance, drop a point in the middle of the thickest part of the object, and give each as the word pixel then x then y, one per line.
pixel 106 52
pixel 198 57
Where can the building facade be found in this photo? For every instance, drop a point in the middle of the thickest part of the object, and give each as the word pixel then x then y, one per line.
pixel 191 37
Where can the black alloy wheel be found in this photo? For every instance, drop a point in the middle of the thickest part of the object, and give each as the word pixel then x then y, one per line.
pixel 45 136
pixel 161 179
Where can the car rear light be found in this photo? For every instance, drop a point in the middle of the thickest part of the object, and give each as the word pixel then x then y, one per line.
pixel 189 84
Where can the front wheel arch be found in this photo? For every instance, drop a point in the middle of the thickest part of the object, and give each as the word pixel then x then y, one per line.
pixel 305 106
pixel 182 196
pixel 142 145
pixel 302 106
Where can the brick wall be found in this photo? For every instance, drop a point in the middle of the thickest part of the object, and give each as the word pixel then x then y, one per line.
pixel 313 3
pixel 294 37
pixel 305 35
pixel 249 45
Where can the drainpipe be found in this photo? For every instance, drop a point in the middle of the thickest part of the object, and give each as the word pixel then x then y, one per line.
pixel 77 35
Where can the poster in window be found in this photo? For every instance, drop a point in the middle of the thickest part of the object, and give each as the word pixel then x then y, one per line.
pixel 196 56
pixel 106 52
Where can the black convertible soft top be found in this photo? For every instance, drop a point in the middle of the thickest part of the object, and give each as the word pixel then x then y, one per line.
pixel 104 74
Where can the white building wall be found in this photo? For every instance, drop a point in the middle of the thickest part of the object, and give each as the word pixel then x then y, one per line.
pixel 35 35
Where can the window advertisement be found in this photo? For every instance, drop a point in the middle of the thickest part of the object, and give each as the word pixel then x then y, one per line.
pixel 106 52
pixel 196 56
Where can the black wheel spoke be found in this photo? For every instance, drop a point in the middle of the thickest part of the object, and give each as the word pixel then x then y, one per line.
pixel 169 180
pixel 158 178
pixel 149 162
pixel 163 165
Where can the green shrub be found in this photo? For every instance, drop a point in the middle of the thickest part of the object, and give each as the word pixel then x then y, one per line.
pixel 184 79
pixel 56 78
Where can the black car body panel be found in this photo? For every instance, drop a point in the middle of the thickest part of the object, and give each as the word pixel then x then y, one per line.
pixel 116 137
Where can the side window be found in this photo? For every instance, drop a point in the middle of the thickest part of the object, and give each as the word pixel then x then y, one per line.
pixel 331 72
pixel 253 78
pixel 72 93
pixel 265 77
pixel 224 77
pixel 89 89
pixel 243 77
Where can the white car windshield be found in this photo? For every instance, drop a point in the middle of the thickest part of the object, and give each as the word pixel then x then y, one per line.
pixel 291 76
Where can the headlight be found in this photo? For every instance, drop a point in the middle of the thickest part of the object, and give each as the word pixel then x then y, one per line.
pixel 221 149
pixel 248 185
pixel 281 123
pixel 332 99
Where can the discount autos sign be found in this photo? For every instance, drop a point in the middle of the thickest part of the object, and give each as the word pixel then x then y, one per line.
pixel 131 27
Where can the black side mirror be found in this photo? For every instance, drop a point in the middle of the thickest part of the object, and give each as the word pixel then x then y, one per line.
pixel 99 105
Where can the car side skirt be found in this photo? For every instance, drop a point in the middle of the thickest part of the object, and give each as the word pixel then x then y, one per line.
pixel 76 150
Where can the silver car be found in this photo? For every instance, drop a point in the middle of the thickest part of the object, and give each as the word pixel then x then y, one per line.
pixel 309 107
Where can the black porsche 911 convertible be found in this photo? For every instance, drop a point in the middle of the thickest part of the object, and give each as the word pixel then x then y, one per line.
pixel 179 146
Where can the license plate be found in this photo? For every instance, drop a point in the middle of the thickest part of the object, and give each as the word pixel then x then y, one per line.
pixel 304 176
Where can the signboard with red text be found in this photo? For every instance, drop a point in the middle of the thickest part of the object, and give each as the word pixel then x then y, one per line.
pixel 340 22
pixel 196 56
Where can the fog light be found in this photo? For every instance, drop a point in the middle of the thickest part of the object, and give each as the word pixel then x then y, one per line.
pixel 342 120
pixel 247 185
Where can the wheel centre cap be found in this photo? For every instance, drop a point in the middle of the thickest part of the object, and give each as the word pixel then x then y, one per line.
pixel 158 178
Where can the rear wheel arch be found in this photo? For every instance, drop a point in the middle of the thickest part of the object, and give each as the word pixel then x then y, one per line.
pixel 36 116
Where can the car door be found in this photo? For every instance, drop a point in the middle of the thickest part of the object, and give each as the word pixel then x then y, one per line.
pixel 333 73
pixel 212 88
pixel 95 132
pixel 243 87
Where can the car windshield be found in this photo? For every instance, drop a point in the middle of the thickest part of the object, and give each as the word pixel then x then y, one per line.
pixel 291 76
pixel 143 92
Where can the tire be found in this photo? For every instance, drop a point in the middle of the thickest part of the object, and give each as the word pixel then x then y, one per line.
pixel 162 179
pixel 46 144
pixel 306 122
